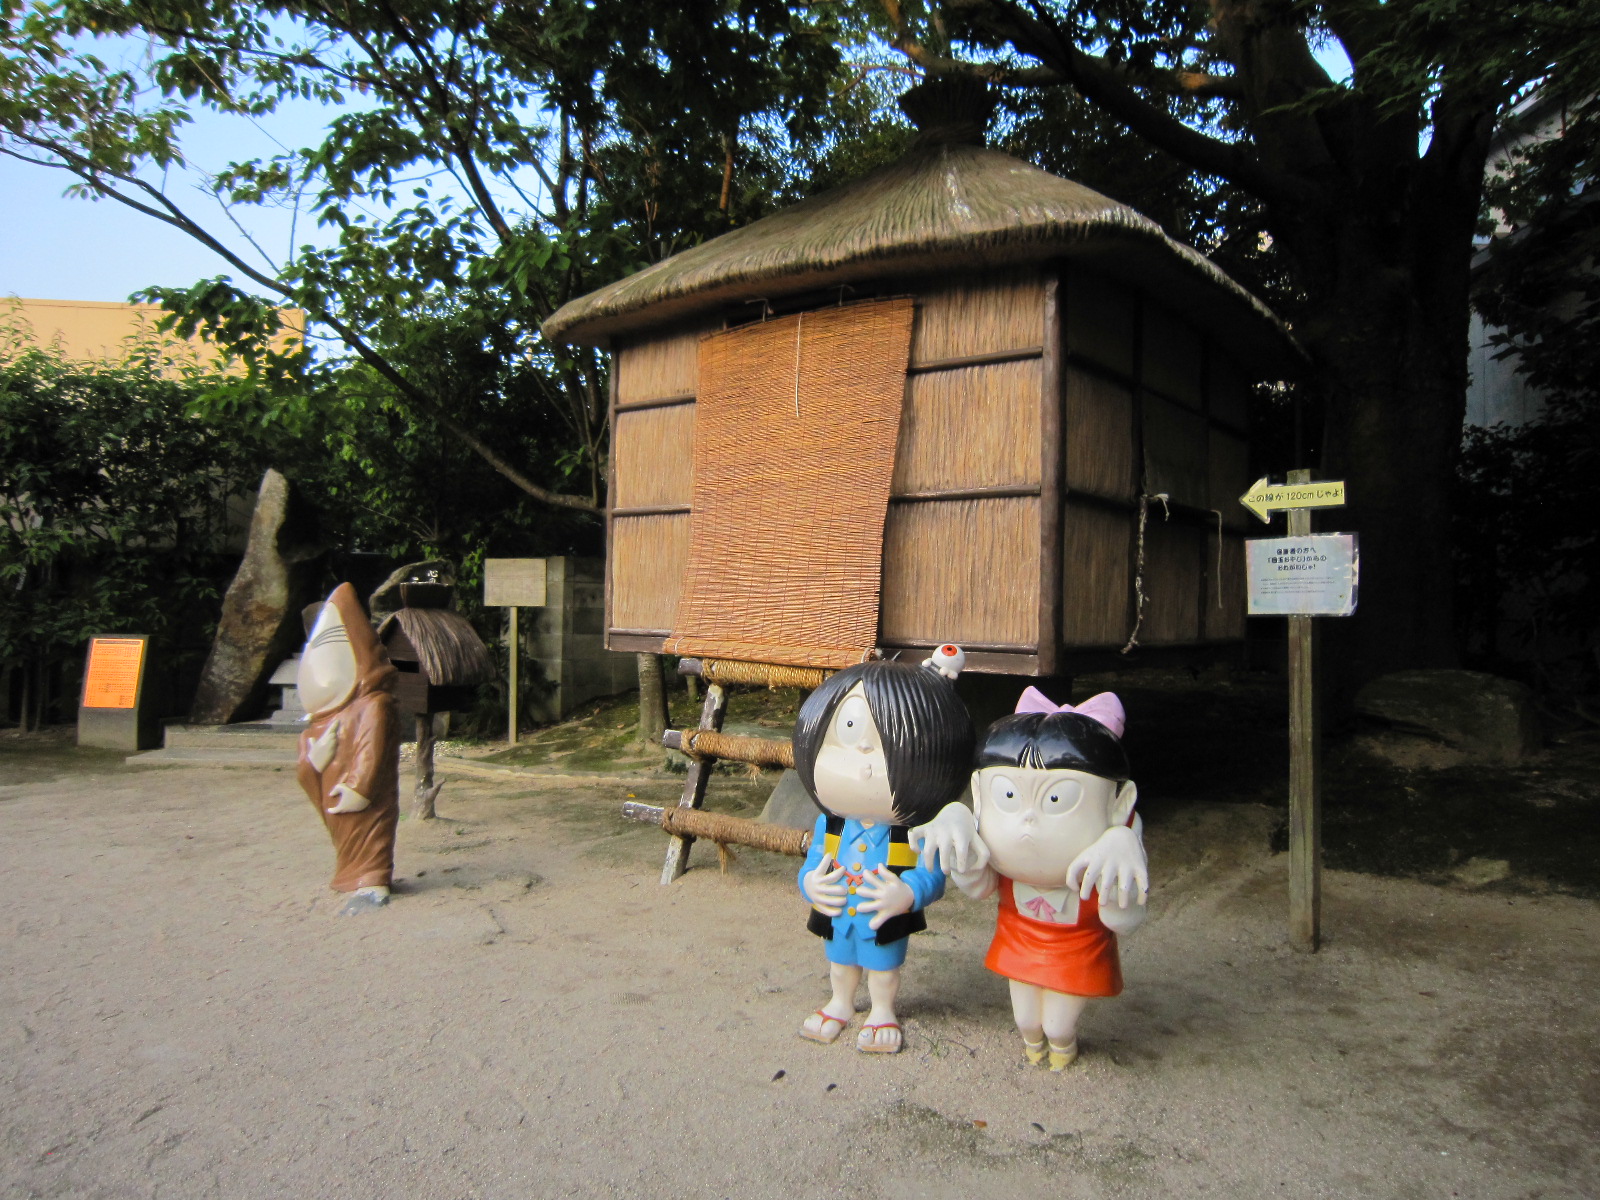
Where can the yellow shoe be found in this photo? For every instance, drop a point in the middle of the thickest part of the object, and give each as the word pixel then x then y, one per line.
pixel 1034 1051
pixel 1062 1057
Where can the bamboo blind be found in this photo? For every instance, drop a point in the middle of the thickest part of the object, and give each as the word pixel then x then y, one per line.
pixel 794 450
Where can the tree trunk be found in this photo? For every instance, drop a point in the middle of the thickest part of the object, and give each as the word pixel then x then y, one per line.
pixel 652 700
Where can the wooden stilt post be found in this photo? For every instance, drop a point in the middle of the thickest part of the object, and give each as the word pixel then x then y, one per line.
pixel 426 791
pixel 694 786
pixel 1305 775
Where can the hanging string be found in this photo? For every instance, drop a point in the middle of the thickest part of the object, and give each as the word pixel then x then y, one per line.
pixel 1138 565
pixel 799 321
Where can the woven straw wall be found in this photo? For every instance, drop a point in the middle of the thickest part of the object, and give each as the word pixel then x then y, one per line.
pixel 1227 620
pixel 1173 562
pixel 970 427
pixel 1005 311
pixel 1228 393
pixel 963 571
pixel 1096 581
pixel 1172 357
pixel 652 453
pixel 647 556
pixel 1100 319
pixel 1175 453
pixel 1099 435
pixel 665 365
pixel 1230 478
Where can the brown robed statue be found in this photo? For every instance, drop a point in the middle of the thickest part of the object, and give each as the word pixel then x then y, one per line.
pixel 349 753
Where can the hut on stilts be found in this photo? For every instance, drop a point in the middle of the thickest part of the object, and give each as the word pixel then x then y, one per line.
pixel 958 399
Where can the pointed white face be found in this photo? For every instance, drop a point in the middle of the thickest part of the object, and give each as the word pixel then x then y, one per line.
pixel 1036 822
pixel 327 673
pixel 851 773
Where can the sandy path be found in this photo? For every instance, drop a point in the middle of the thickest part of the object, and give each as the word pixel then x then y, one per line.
pixel 185 1017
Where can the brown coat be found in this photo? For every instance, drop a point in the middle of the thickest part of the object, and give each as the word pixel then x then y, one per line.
pixel 365 759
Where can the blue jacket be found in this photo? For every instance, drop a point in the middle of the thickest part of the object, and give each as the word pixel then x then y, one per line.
pixel 861 850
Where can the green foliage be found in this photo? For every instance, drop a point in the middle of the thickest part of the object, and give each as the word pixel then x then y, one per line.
pixel 113 504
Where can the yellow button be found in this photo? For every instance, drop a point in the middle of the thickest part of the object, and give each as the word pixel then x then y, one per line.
pixel 855 866
pixel 851 911
pixel 852 891
pixel 861 847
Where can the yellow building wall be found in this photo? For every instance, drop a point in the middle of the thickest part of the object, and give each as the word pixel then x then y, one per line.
pixel 96 330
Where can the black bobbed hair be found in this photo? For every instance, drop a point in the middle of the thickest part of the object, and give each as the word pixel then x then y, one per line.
pixel 1058 741
pixel 926 731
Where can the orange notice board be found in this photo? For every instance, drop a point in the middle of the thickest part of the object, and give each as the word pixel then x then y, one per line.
pixel 112 679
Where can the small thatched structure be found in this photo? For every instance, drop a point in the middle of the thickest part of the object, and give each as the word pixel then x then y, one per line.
pixel 440 658
pixel 938 403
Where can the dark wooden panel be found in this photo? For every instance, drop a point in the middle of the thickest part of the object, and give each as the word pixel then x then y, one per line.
pixel 1095 575
pixel 1175 453
pixel 1172 356
pixel 1100 456
pixel 1173 562
pixel 1100 321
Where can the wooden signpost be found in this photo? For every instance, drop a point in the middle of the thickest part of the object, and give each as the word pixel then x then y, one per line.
pixel 1302 576
pixel 513 583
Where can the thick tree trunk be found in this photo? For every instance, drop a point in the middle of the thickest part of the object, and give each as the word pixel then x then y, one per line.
pixel 1388 339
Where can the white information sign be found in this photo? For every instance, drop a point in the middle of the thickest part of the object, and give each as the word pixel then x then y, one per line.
pixel 513 582
pixel 1313 575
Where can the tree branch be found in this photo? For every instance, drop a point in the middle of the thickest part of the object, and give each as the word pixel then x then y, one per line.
pixel 163 209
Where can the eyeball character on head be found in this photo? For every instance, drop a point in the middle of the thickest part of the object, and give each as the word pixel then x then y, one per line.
pixel 879 746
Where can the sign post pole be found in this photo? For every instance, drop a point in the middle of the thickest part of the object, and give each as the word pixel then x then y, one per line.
pixel 1305 775
pixel 1302 576
pixel 514 583
pixel 511 720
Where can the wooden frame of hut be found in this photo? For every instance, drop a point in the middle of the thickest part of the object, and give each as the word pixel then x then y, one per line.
pixel 1016 410
pixel 1073 434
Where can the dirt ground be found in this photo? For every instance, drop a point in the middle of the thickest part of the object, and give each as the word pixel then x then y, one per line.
pixel 535 1016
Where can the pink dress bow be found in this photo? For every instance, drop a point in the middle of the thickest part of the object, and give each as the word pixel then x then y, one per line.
pixel 1041 908
pixel 1105 708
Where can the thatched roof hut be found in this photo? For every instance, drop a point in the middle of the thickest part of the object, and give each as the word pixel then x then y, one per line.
pixel 869 408
pixel 439 654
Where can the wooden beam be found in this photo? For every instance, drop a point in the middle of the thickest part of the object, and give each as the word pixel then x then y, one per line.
pixel 694 786
pixel 976 360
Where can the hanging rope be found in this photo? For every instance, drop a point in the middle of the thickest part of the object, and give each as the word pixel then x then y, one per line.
pixel 1138 564
pixel 1217 513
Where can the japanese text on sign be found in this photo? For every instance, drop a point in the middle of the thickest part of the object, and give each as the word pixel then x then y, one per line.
pixel 112 680
pixel 1314 575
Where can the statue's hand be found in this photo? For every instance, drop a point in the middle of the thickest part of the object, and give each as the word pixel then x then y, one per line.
pixel 950 841
pixel 320 752
pixel 887 895
pixel 824 886
pixel 350 800
pixel 1115 866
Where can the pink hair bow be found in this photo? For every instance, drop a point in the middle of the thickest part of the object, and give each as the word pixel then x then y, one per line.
pixel 1105 708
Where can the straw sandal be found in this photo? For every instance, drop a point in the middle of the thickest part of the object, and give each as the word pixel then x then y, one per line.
pixel 821 1034
pixel 870 1033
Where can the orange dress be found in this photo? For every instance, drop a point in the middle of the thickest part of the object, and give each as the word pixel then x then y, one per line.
pixel 1079 960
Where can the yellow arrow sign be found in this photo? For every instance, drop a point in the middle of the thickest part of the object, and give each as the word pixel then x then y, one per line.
pixel 1263 497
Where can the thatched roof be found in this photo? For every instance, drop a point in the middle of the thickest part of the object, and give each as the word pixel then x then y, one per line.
pixel 448 648
pixel 940 209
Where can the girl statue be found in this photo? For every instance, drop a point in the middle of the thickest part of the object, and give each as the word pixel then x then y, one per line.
pixel 1052 830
